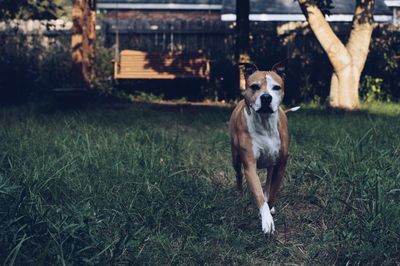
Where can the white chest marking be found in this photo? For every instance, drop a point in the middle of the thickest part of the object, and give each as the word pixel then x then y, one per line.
pixel 263 129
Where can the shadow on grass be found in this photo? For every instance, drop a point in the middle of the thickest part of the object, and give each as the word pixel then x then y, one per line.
pixel 168 219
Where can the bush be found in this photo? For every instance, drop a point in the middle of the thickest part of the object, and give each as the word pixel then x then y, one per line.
pixel 19 65
pixel 371 89
pixel 383 63
pixel 31 66
pixel 103 67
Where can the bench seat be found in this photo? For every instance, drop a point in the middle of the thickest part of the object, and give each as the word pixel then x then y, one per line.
pixel 133 64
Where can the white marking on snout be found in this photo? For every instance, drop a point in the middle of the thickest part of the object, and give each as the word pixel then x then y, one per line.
pixel 257 104
pixel 276 95
pixel 271 82
pixel 267 222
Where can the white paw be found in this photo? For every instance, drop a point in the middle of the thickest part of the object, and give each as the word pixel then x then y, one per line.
pixel 267 223
pixel 273 210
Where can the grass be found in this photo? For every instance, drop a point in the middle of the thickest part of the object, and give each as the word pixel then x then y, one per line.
pixel 145 185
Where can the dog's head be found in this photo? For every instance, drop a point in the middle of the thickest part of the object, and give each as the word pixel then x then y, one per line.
pixel 264 90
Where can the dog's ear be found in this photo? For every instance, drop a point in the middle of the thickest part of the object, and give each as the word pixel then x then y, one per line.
pixel 247 69
pixel 280 68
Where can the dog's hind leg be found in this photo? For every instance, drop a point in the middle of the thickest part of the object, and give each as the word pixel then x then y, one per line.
pixel 267 185
pixel 237 165
pixel 276 180
pixel 267 188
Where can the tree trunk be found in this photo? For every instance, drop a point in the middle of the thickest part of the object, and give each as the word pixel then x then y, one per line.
pixel 344 89
pixel 82 42
pixel 347 61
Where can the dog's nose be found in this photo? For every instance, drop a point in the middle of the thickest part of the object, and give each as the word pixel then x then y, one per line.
pixel 266 99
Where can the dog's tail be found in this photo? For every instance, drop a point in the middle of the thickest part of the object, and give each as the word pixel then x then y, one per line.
pixel 293 109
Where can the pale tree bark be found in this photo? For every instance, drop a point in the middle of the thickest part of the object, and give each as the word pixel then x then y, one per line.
pixel 347 60
pixel 82 42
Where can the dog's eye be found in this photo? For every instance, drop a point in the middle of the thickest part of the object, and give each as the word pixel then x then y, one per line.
pixel 276 88
pixel 255 87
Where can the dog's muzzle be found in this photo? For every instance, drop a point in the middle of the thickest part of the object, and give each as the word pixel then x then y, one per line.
pixel 266 100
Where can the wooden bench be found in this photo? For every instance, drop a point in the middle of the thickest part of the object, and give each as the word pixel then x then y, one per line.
pixel 133 64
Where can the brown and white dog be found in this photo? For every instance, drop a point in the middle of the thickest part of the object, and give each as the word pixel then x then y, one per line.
pixel 259 137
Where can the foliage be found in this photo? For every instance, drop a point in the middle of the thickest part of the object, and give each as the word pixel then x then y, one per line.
pixel 140 186
pixel 324 5
pixel 371 89
pixel 103 67
pixel 28 9
pixel 146 97
pixel 34 65
pixel 383 61
pixel 20 60
pixel 31 68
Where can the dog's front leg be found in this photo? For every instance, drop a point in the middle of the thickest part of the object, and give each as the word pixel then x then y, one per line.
pixel 250 173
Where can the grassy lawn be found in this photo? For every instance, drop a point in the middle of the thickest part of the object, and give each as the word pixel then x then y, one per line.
pixel 149 185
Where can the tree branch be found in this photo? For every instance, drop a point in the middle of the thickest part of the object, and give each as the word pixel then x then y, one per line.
pixel 360 36
pixel 336 51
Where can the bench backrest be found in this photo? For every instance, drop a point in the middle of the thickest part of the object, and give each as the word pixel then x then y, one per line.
pixel 134 64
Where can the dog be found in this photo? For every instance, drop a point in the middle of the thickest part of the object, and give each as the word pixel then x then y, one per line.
pixel 259 137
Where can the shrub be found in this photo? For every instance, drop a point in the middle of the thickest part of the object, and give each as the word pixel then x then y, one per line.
pixel 383 62
pixel 31 66
pixel 371 89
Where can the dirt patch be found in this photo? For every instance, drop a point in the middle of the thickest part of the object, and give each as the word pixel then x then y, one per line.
pixel 295 219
